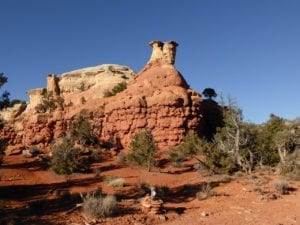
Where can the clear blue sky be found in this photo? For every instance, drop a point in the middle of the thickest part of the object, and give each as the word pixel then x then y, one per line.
pixel 248 49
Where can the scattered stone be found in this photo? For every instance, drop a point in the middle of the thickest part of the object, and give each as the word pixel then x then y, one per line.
pixel 272 196
pixel 204 214
pixel 27 154
pixel 269 196
pixel 162 217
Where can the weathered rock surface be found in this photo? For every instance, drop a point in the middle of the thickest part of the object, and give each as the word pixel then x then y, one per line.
pixel 158 99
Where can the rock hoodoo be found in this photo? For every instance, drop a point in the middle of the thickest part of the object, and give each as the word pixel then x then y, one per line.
pixel 158 98
pixel 163 51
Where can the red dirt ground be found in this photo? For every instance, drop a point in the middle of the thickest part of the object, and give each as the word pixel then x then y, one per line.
pixel 32 194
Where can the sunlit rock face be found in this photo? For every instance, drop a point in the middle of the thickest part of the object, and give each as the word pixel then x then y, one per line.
pixel 158 99
pixel 102 76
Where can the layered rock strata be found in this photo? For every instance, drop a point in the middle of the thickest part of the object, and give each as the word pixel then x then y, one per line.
pixel 158 99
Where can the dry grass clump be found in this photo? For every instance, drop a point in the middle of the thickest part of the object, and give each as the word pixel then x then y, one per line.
pixel 118 182
pixel 205 192
pixel 99 206
pixel 282 187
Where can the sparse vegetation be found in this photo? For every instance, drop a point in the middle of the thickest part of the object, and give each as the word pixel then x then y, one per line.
pixel 35 150
pixel 82 100
pixel 97 205
pixel 282 187
pixel 3 143
pixel 49 102
pixel 176 156
pixel 4 102
pixel 115 182
pixel 143 150
pixel 291 166
pixel 4 98
pixel 82 132
pixel 205 192
pixel 65 158
pixel 116 89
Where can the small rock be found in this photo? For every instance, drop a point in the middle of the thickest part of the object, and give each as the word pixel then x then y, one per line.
pixel 26 153
pixel 14 150
pixel 272 196
pixel 162 217
pixel 204 214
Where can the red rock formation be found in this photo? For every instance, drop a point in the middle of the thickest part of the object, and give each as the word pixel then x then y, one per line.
pixel 158 99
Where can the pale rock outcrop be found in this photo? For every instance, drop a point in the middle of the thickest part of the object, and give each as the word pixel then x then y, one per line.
pixel 70 85
pixel 11 113
pixel 52 84
pixel 103 75
pixel 35 97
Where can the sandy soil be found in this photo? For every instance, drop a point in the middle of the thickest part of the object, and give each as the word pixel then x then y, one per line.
pixel 30 193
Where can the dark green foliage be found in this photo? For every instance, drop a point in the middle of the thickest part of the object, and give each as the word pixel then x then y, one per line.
pixel 49 102
pixel 82 132
pixel 212 118
pixel 4 98
pixel 143 149
pixel 216 160
pixel 209 93
pixel 191 144
pixel 266 138
pixel 82 100
pixel 4 102
pixel 116 89
pixel 276 139
pixel 65 158
pixel 3 79
pixel 2 123
pixel 3 143
pixel 59 101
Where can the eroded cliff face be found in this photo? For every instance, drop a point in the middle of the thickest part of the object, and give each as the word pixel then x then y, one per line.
pixel 157 99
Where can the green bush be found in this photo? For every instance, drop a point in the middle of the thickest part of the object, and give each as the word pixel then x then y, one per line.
pixel 82 132
pixel 217 160
pixel 3 143
pixel 176 155
pixel 82 100
pixel 291 166
pixel 65 158
pixel 116 89
pixel 143 150
pixel 99 206
pixel 49 102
